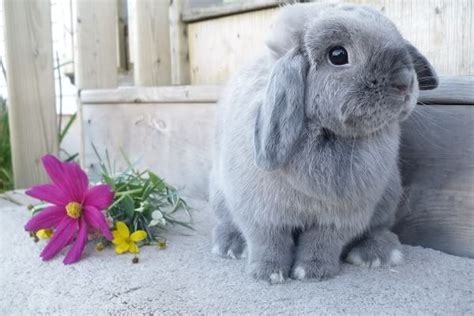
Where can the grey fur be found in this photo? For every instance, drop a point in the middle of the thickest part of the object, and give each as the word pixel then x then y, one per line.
pixel 305 165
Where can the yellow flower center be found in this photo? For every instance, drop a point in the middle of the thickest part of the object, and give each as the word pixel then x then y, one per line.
pixel 73 209
pixel 44 233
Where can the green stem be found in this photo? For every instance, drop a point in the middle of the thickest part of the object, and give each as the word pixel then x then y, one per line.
pixel 128 192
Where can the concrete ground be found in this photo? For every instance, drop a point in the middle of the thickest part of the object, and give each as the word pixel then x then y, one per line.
pixel 187 279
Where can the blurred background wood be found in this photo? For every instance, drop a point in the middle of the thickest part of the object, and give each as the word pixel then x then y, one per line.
pixel 179 44
pixel 151 43
pixel 31 98
pixel 96 44
pixel 441 29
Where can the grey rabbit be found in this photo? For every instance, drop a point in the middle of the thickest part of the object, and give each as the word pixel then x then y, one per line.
pixel 305 167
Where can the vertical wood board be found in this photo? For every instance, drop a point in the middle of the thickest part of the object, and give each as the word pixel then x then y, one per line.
pixel 219 47
pixel 151 43
pixel 96 44
pixel 179 44
pixel 32 112
pixel 443 30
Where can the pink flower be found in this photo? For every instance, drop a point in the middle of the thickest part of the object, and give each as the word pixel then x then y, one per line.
pixel 75 208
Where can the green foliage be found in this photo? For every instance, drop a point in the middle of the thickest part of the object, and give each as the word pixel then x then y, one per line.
pixel 6 176
pixel 144 201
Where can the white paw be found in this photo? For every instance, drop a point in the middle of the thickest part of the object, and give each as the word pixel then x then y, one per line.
pixel 355 258
pixel 276 277
pixel 215 250
pixel 299 273
pixel 396 257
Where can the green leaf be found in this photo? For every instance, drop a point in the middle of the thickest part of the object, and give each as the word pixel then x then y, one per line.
pixel 67 127
pixel 156 180
pixel 128 205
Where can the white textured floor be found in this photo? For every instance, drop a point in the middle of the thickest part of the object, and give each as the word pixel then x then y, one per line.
pixel 187 279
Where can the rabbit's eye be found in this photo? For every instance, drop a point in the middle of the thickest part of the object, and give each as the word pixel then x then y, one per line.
pixel 338 56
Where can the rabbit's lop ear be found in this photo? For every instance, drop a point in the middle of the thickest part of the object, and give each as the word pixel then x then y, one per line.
pixel 280 118
pixel 427 77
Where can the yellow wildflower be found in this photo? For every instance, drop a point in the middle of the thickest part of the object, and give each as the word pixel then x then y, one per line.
pixel 99 247
pixel 44 233
pixel 124 242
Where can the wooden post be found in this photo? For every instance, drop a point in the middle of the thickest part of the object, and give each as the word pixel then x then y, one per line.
pixel 95 49
pixel 96 44
pixel 29 62
pixel 151 43
pixel 122 45
pixel 180 73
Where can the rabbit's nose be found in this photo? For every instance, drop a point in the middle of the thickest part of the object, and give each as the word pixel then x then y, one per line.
pixel 403 81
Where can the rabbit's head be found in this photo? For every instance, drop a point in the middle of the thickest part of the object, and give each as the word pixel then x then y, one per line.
pixel 340 69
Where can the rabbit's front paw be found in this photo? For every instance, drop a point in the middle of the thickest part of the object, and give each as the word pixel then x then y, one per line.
pixel 381 249
pixel 314 270
pixel 228 242
pixel 269 271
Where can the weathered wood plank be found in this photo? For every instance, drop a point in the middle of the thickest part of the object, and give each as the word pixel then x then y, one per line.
pixel 172 94
pixel 441 29
pixel 151 43
pixel 96 44
pixel 29 63
pixel 179 44
pixel 217 11
pixel 232 42
pixel 451 90
pixel 171 139
pixel 438 173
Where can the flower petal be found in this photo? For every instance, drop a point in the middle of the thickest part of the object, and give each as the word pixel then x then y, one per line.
pixel 133 248
pixel 67 176
pixel 96 219
pixel 139 235
pixel 118 239
pixel 62 235
pixel 122 228
pixel 123 247
pixel 49 193
pixel 75 252
pixel 54 168
pixel 49 217
pixel 99 196
pixel 77 180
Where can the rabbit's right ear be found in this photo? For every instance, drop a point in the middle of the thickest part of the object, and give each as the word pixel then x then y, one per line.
pixel 280 119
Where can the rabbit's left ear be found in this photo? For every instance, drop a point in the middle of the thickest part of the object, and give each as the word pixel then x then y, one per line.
pixel 427 77
pixel 280 118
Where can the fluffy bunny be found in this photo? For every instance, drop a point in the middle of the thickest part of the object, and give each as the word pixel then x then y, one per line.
pixel 305 169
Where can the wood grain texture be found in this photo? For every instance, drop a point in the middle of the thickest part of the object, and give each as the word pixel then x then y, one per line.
pixel 179 44
pixel 171 94
pixel 451 90
pixel 219 47
pixel 216 11
pixel 96 44
pixel 171 139
pixel 151 43
pixel 441 29
pixel 29 63
pixel 437 161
